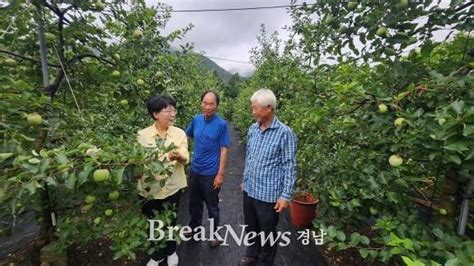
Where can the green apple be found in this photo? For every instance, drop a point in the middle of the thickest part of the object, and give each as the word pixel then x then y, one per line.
pixel 373 211
pixel 343 29
pixel 329 19
pixel 349 122
pixel 113 195
pixel 97 220
pixel 116 73
pixel 382 31
pixel 34 119
pixel 395 160
pixel 402 33
pixel 382 108
pixel 84 146
pixel 10 62
pixel 91 151
pixel 351 5
pixel 99 5
pixel 124 102
pixel 159 74
pixel 137 33
pixel 87 207
pixel 101 175
pixel 399 122
pixel 443 211
pixel 90 199
pixel 117 57
pixel 140 82
pixel 50 37
pixel 402 4
pixel 441 121
pixel 109 212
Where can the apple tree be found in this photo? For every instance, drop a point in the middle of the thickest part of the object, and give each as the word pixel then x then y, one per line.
pixel 69 151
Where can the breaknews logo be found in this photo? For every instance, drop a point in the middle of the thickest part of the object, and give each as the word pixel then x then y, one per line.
pixel 226 233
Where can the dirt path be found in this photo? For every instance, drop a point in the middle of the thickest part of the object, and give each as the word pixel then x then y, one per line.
pixel 199 253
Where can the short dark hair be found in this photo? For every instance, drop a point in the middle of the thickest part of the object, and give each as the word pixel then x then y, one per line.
pixel 159 102
pixel 215 94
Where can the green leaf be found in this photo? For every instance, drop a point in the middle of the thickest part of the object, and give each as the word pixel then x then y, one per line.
pixel 44 166
pixel 452 262
pixel 118 175
pixel 468 130
pixel 427 48
pixel 373 253
pixel 61 158
pixel 364 252
pixel 433 155
pixel 396 250
pixel 34 161
pixel 470 156
pixel 4 156
pixel 407 260
pixel 394 240
pixel 117 255
pixel 51 181
pixel 364 240
pixel 437 232
pixel 331 232
pixel 355 239
pixel 454 158
pixel 71 181
pixel 407 243
pixel 31 187
pixel 458 106
pixel 84 174
pixel 459 146
pixel 341 236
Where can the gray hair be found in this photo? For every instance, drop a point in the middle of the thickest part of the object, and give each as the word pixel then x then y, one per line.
pixel 264 97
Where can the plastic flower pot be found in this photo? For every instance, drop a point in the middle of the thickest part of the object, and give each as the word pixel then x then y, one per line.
pixel 303 209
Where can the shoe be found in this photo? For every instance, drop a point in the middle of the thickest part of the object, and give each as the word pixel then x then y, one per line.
pixel 215 243
pixel 153 262
pixel 173 259
pixel 247 261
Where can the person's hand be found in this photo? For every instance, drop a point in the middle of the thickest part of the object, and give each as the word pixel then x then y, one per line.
pixel 281 205
pixel 174 156
pixel 241 187
pixel 218 180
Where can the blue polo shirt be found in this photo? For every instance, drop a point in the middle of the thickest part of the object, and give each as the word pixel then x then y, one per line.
pixel 209 137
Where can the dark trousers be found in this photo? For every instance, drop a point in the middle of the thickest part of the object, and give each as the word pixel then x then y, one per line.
pixel 201 190
pixel 149 208
pixel 259 216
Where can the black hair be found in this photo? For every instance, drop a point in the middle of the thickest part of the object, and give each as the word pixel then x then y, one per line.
pixel 215 94
pixel 159 102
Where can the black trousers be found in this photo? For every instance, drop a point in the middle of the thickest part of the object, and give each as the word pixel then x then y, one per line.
pixel 259 216
pixel 149 208
pixel 201 190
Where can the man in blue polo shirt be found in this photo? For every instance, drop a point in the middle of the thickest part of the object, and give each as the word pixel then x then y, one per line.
pixel 211 141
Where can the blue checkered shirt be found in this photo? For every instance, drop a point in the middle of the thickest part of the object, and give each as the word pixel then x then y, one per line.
pixel 270 162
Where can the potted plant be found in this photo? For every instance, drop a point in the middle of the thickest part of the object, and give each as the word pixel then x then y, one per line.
pixel 303 205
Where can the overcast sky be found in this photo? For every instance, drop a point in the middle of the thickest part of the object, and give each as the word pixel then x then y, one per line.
pixel 229 34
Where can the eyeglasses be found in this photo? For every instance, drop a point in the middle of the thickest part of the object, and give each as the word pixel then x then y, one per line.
pixel 174 111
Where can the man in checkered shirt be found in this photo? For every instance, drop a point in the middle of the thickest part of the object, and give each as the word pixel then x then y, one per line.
pixel 269 175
